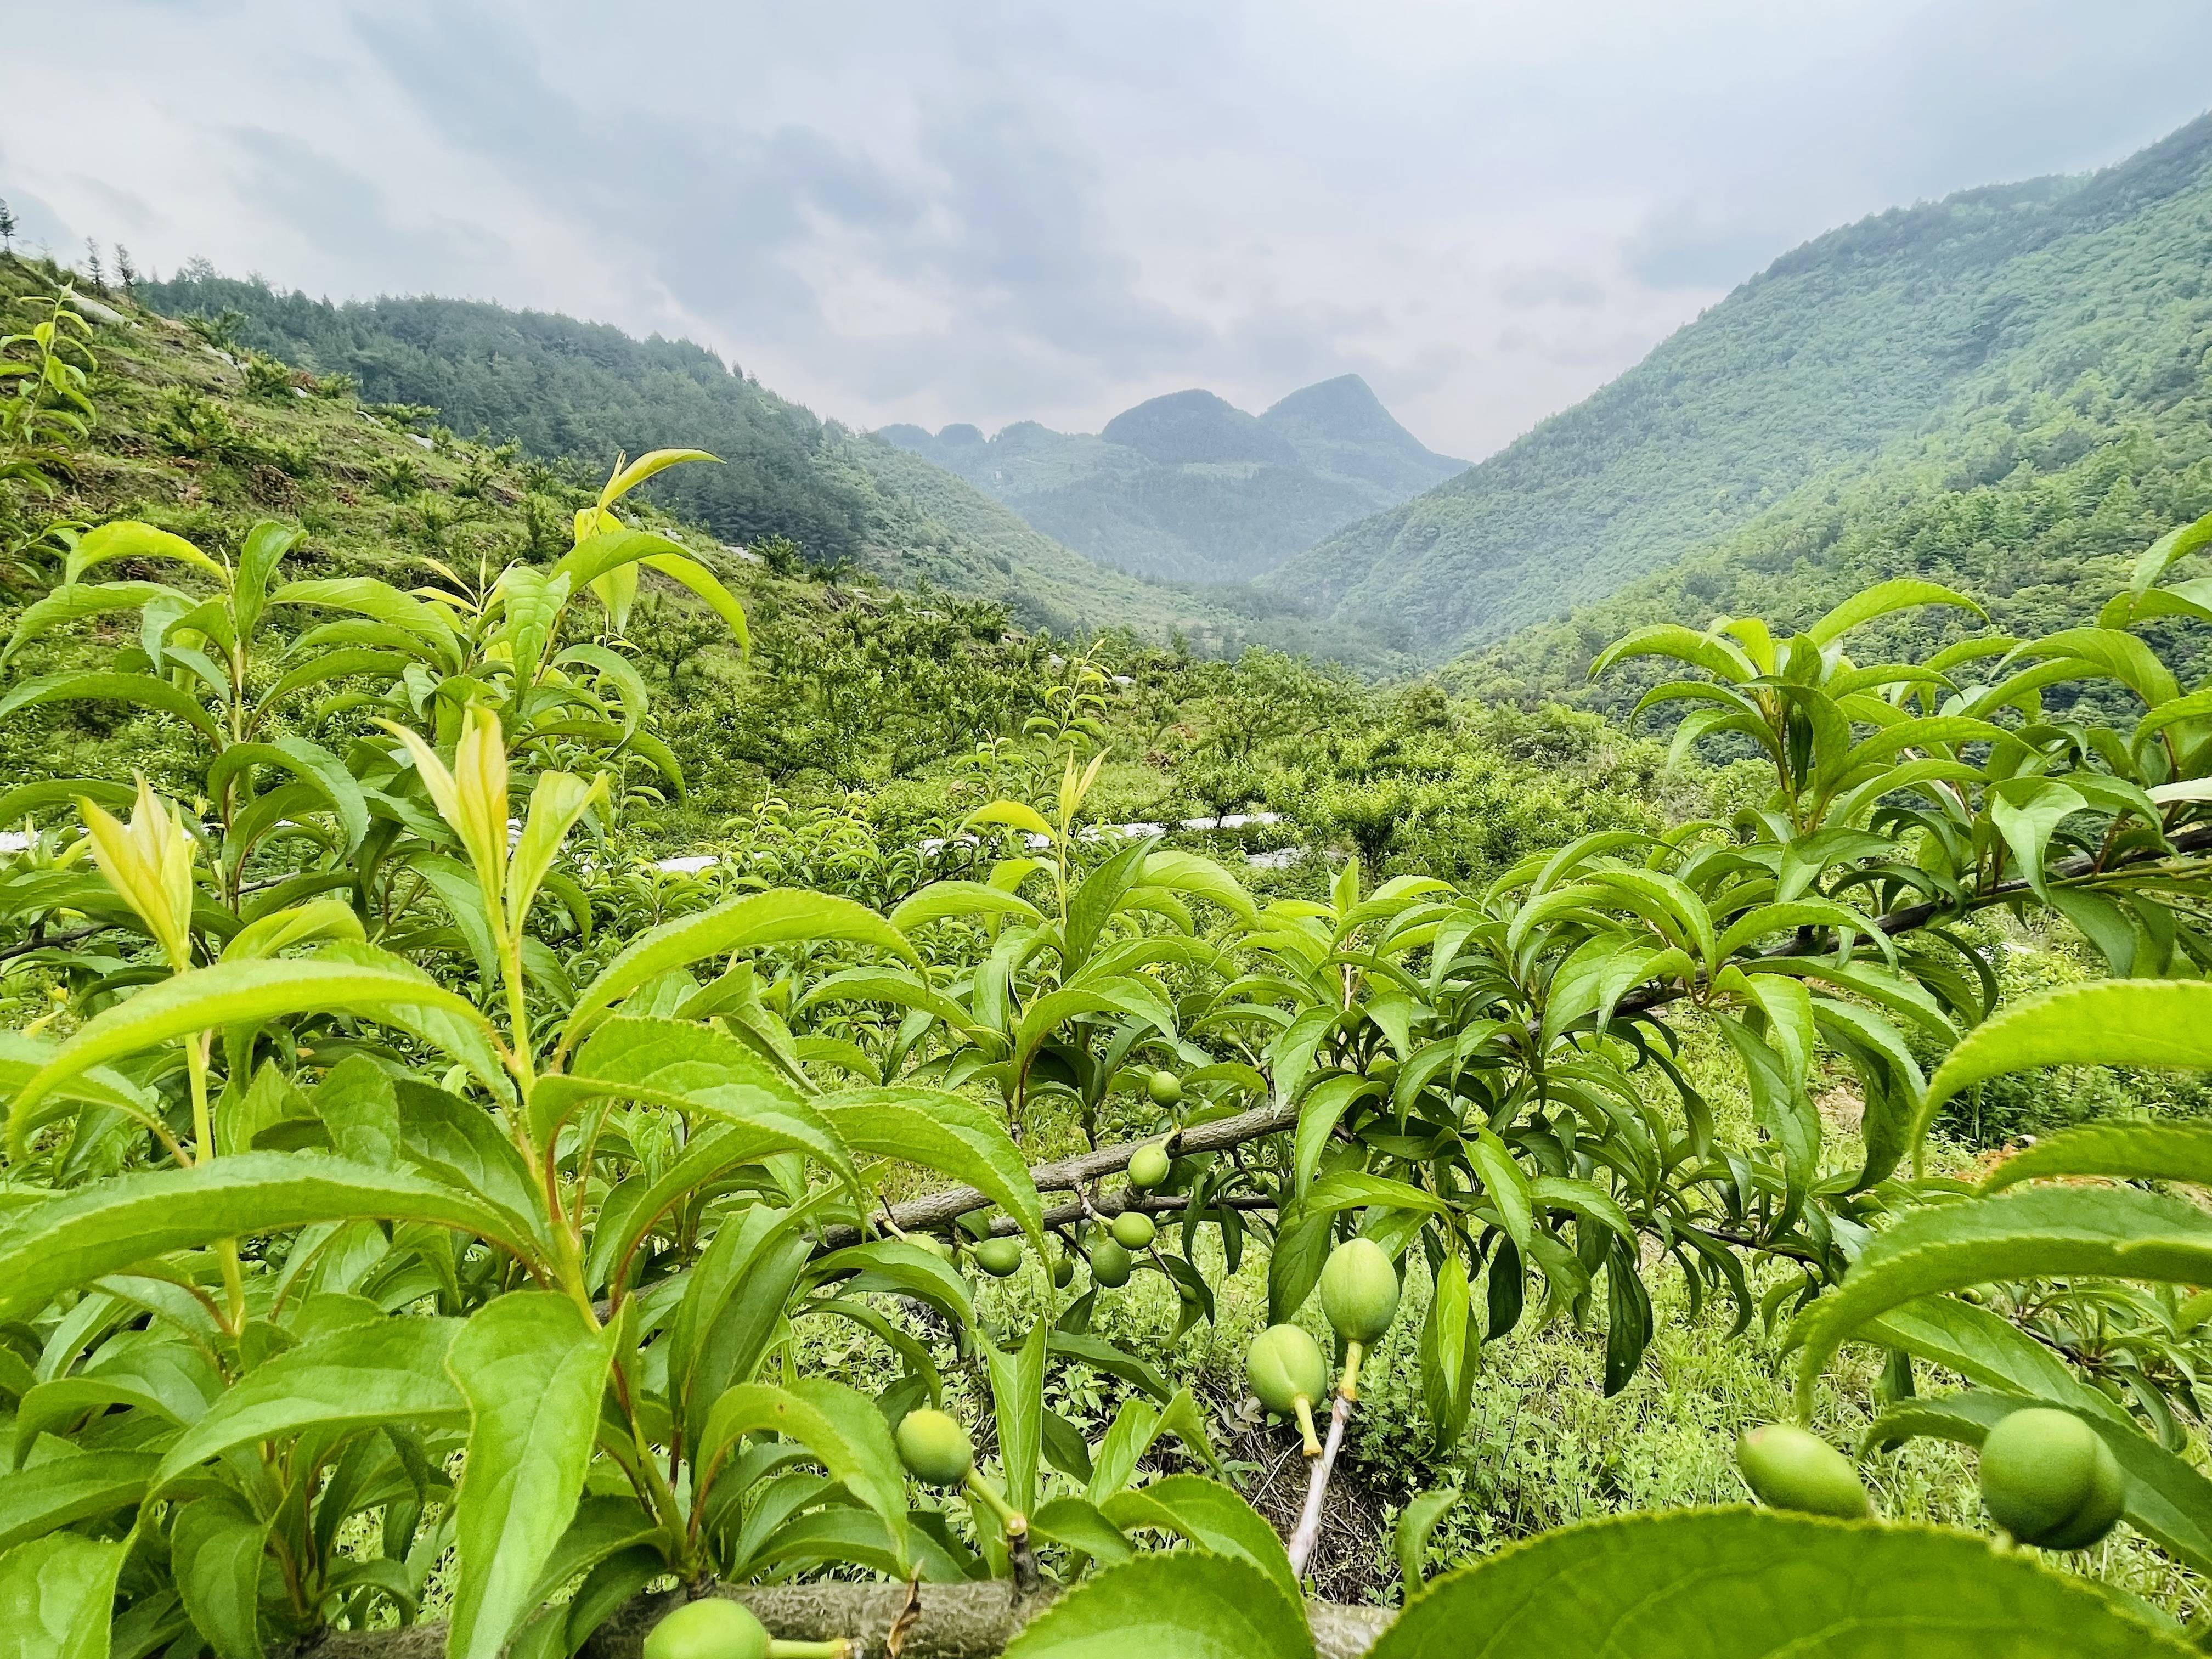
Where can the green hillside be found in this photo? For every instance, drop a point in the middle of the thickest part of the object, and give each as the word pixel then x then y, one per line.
pixel 585 393
pixel 1857 370
pixel 1190 488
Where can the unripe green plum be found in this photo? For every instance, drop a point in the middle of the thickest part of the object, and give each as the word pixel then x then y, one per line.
pixel 1285 1366
pixel 1110 1264
pixel 1000 1256
pixel 1134 1230
pixel 1165 1088
pixel 1063 1271
pixel 1359 1290
pixel 2050 1480
pixel 1792 1469
pixel 1148 1166
pixel 711 1628
pixel 934 1444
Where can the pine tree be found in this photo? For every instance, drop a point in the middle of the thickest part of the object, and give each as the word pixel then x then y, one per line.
pixel 126 272
pixel 92 266
pixel 6 228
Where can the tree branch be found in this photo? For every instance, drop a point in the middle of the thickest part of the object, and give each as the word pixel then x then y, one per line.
pixel 939 1210
pixel 1307 1533
pixel 968 1620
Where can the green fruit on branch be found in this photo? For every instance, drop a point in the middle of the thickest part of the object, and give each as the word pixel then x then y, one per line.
pixel 710 1629
pixel 1165 1089
pixel 1359 1290
pixel 1148 1166
pixel 1792 1469
pixel 1110 1264
pixel 717 1628
pixel 1359 1293
pixel 1134 1230
pixel 941 1249
pixel 935 1446
pixel 999 1257
pixel 1287 1372
pixel 1063 1271
pixel 2050 1480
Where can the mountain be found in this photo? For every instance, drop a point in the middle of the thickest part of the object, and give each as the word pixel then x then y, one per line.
pixel 1856 369
pixel 1187 487
pixel 584 391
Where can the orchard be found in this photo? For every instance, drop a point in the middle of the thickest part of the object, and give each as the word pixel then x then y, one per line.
pixel 396 1258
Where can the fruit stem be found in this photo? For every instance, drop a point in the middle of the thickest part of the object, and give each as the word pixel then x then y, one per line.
pixel 1012 1519
pixel 1347 1386
pixel 1304 1407
pixel 1020 1556
pixel 1309 1530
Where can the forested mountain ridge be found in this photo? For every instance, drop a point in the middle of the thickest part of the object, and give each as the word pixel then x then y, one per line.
pixel 1879 353
pixel 587 391
pixel 1189 487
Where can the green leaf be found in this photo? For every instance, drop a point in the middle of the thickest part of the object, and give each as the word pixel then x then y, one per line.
pixel 215 1553
pixel 388 1371
pixel 2039 1232
pixel 1319 1114
pixel 1080 1525
pixel 1211 1515
pixel 129 539
pixel 532 1371
pixel 732 1309
pixel 1986 1347
pixel 698 1071
pixel 1182 1605
pixel 944 1133
pixel 63 1490
pixel 779 917
pixel 58 1596
pixel 2126 1151
pixel 249 994
pixel 1018 1402
pixel 1900 593
pixel 841 1426
pixel 1714 655
pixel 146 690
pixel 941 899
pixel 2125 1021
pixel 1739 1583
pixel 1095 899
pixel 1450 1351
pixel 76 602
pixel 2027 811
pixel 1409 1540
pixel 114 1223
pixel 1505 1183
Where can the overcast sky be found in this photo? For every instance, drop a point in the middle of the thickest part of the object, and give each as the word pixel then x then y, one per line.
pixel 991 212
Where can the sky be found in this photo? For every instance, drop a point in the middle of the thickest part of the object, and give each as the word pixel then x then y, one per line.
pixel 994 212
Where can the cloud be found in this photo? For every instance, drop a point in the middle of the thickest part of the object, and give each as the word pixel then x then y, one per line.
pixel 350 217
pixel 939 212
pixel 38 225
pixel 1684 245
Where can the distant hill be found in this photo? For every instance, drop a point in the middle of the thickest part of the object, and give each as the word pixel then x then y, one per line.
pixel 1931 347
pixel 583 391
pixel 1188 487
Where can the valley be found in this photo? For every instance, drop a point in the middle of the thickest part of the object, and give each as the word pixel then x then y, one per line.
pixel 1187 487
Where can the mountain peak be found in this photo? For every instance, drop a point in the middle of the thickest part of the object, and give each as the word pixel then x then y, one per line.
pixel 1196 426
pixel 1345 410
